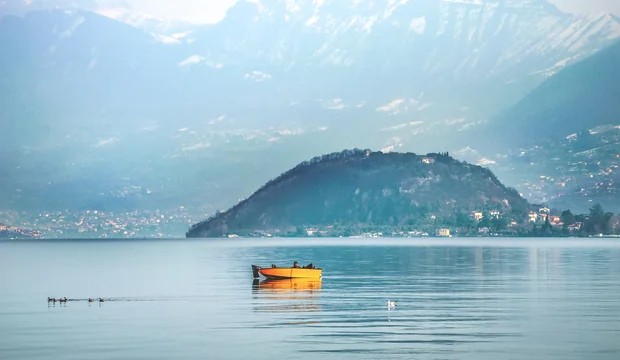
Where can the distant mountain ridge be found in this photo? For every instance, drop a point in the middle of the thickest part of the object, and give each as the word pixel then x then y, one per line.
pixel 579 98
pixel 96 105
pixel 432 58
pixel 363 188
pixel 561 142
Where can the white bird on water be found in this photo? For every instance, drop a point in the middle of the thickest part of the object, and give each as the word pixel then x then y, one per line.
pixel 391 304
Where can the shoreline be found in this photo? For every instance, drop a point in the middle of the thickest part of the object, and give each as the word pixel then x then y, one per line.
pixel 337 240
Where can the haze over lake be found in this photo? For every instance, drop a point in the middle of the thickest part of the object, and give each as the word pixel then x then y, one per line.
pixel 196 299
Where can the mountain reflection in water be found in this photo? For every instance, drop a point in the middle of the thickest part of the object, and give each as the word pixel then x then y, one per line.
pixel 299 295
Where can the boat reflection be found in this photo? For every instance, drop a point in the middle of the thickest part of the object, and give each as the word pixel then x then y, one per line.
pixel 299 294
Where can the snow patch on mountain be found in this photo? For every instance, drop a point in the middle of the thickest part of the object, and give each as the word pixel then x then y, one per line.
pixel 195 147
pixel 494 35
pixel 486 162
pixel 77 21
pixel 560 65
pixel 403 126
pixel 192 60
pixel 257 76
pixel 418 25
pixel 332 104
pixel 165 39
pixel 398 106
pixel 106 142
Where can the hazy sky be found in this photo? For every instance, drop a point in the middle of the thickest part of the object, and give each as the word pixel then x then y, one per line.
pixel 589 5
pixel 189 10
pixel 213 10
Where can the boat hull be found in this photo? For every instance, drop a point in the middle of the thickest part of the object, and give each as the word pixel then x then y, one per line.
pixel 286 273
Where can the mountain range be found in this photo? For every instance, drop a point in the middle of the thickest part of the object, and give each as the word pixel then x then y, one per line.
pixel 109 112
pixel 580 98
pixel 567 151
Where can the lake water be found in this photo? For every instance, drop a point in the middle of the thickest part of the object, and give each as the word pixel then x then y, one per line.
pixel 196 299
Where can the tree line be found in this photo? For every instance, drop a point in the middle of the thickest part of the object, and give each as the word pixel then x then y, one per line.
pixel 596 222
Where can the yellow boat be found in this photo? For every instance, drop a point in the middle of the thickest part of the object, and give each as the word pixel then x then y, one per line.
pixel 286 273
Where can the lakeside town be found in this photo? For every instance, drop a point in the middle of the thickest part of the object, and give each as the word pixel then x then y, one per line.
pixel 541 223
pixel 159 224
pixel 101 224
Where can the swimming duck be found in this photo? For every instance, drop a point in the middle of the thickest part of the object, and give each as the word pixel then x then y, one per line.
pixel 101 300
pixel 391 303
pixel 91 300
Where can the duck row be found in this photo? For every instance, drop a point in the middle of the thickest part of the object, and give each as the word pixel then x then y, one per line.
pixel 50 299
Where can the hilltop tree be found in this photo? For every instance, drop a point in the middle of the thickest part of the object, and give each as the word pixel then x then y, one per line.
pixel 499 223
pixel 598 221
pixel 567 217
pixel 546 229
pixel 462 220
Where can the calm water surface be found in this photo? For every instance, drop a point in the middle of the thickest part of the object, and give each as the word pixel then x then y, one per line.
pixel 195 299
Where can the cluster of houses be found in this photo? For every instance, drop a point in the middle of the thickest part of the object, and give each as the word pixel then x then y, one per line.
pixel 544 214
pixel 427 160
pixel 536 217
pixel 479 215
pixel 13 232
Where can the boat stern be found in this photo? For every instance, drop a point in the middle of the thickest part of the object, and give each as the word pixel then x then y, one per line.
pixel 255 273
